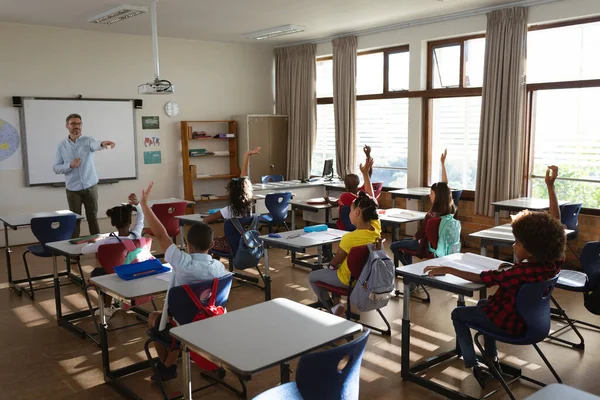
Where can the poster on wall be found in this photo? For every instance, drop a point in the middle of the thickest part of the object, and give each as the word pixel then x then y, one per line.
pixel 150 123
pixel 10 140
pixel 151 141
pixel 152 157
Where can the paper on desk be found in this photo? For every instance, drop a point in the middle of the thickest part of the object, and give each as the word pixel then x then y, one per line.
pixel 165 276
pixel 323 236
pixel 401 214
pixel 474 263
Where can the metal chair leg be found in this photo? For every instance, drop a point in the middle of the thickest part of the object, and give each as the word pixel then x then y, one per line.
pixel 492 367
pixel 154 304
pixel 91 308
pixel 547 363
pixel 31 293
pixel 154 366
pixel 563 315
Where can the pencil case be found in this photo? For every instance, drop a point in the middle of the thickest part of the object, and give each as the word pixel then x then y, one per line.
pixel 141 269
pixel 214 210
pixel 316 228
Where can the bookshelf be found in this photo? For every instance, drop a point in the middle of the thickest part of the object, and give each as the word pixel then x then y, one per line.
pixel 214 163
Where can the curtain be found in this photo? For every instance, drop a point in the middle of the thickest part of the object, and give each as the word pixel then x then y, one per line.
pixel 502 140
pixel 344 103
pixel 295 96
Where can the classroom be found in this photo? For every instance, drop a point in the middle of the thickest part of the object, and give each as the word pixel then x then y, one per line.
pixel 275 199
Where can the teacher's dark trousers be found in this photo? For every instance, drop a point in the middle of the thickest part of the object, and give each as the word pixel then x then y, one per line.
pixel 89 199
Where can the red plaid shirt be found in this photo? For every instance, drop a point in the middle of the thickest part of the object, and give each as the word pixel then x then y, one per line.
pixel 501 308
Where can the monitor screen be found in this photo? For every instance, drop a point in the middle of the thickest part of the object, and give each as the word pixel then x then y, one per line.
pixel 328 168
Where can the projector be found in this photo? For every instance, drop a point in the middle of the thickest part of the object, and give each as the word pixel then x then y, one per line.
pixel 157 87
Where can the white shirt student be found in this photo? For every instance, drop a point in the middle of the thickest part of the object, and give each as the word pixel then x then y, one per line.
pixel 120 217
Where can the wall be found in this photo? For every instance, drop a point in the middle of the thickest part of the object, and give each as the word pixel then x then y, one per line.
pixel 418 36
pixel 212 81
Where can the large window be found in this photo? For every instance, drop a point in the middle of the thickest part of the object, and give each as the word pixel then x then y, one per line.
pixel 381 113
pixel 453 108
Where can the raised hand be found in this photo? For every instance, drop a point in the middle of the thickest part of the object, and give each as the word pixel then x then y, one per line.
pixel 133 199
pixel 551 175
pixel 253 152
pixel 443 156
pixel 364 168
pixel 367 150
pixel 146 193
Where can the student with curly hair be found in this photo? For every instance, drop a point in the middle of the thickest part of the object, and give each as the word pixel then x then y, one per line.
pixel 239 191
pixel 540 251
pixel 363 214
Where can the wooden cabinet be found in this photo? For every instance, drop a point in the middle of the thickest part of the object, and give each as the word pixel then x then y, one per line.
pixel 269 132
pixel 216 161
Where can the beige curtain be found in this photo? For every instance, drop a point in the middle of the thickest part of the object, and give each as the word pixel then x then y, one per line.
pixel 502 139
pixel 344 103
pixel 295 96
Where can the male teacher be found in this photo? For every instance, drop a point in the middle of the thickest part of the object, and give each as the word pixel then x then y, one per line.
pixel 75 159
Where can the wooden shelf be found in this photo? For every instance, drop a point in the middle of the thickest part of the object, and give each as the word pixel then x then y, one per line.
pixel 212 138
pixel 211 155
pixel 207 178
pixel 219 198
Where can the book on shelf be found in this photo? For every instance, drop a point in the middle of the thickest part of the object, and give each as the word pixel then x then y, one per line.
pixel 224 135
pixel 208 196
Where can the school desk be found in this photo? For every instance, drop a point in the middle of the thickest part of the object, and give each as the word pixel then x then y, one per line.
pixel 521 203
pixel 396 217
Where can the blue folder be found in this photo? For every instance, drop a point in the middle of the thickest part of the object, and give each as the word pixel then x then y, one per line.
pixel 141 269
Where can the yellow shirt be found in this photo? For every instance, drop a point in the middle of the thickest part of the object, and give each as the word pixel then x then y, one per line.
pixel 359 237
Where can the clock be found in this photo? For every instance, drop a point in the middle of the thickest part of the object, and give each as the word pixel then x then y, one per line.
pixel 171 108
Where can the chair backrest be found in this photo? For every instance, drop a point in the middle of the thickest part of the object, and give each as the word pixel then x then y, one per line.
pixel 166 213
pixel 432 231
pixel 112 255
pixel 271 178
pixel 278 205
pixel 569 215
pixel 53 229
pixel 183 309
pixel 345 218
pixel 319 375
pixel 356 260
pixel 232 235
pixel 533 305
pixel 455 198
pixel 590 263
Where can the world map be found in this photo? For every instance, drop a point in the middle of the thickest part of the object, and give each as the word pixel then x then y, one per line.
pixel 9 140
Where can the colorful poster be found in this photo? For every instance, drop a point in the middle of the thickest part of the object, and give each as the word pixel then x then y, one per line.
pixel 151 141
pixel 10 140
pixel 152 157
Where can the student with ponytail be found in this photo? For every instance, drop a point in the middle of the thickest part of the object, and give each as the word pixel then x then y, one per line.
pixel 363 214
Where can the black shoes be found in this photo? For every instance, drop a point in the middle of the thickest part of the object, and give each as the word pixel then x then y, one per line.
pixel 482 375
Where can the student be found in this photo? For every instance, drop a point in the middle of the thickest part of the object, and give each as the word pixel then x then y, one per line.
pixel 441 204
pixel 187 268
pixel 364 216
pixel 239 191
pixel 120 218
pixel 539 250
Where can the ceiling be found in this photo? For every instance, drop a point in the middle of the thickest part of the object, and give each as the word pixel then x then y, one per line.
pixel 228 20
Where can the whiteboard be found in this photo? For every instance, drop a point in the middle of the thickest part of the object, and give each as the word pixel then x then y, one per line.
pixel 44 127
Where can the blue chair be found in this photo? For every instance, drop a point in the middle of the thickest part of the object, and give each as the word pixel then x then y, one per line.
pixel 319 375
pixel 579 282
pixel 456 194
pixel 278 205
pixel 183 310
pixel 46 230
pixel 233 240
pixel 569 216
pixel 345 217
pixel 533 305
pixel 271 178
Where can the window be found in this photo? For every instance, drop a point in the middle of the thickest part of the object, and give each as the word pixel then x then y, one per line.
pixel 563 112
pixel 381 113
pixel 455 126
pixel 456 63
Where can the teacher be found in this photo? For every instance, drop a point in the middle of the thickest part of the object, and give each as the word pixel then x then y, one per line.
pixel 75 159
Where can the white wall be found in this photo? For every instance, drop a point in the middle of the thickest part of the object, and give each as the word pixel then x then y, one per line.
pixel 212 81
pixel 418 36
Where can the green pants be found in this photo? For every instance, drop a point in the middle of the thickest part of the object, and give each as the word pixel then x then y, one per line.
pixel 89 199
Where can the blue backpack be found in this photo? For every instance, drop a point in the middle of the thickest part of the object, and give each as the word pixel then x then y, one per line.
pixel 250 248
pixel 449 237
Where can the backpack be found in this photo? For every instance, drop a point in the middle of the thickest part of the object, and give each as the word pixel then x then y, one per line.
pixel 591 300
pixel 250 247
pixel 134 254
pixel 376 281
pixel 449 237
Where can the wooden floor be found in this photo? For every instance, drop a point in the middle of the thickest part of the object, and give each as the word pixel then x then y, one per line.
pixel 42 361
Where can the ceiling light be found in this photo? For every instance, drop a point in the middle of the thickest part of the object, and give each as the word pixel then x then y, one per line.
pixel 274 32
pixel 117 14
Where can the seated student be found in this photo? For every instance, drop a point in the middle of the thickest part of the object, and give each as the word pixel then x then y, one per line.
pixel 239 191
pixel 539 250
pixel 120 218
pixel 187 268
pixel 364 216
pixel 441 204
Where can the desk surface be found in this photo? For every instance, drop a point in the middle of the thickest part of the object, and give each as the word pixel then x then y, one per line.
pixel 168 200
pixel 417 192
pixel 191 218
pixel 523 203
pixel 557 391
pixel 285 185
pixel 66 248
pixel 302 204
pixel 281 330
pixel 128 290
pixel 301 240
pixel 401 216
pixel 25 219
pixel 502 233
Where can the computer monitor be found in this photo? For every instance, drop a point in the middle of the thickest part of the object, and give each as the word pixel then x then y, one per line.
pixel 328 169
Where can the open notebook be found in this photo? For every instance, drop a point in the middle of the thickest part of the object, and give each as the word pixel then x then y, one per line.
pixel 475 263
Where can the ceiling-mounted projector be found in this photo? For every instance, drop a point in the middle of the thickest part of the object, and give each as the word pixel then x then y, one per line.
pixel 159 86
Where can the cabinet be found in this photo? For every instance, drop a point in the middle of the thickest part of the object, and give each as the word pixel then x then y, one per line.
pixel 269 132
pixel 216 161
